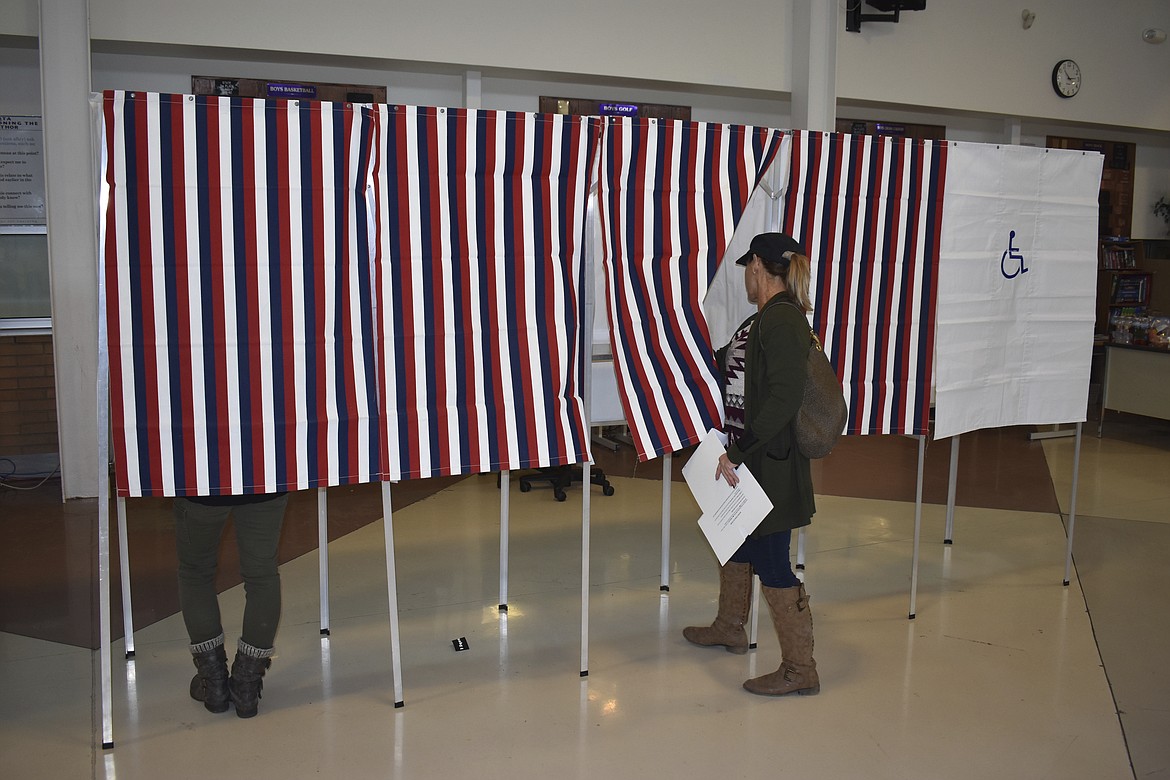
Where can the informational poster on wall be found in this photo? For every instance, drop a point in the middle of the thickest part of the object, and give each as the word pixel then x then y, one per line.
pixel 22 172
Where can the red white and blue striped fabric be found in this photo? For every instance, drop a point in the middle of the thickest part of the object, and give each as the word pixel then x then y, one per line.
pixel 670 195
pixel 869 211
pixel 236 249
pixel 481 224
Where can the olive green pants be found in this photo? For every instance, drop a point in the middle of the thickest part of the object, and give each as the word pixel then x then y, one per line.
pixel 198 530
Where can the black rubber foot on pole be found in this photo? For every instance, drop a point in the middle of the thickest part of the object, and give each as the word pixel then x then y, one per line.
pixel 1066 583
pixel 948 541
pixel 399 705
pixel 800 567
pixel 664 588
pixel 752 646
pixel 585 673
pixel 911 616
pixel 324 632
pixel 503 608
pixel 130 654
pixel 107 746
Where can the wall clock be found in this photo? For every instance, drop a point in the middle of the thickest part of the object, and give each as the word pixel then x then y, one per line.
pixel 1066 78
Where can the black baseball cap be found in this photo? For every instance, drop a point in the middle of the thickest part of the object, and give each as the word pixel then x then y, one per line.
pixel 773 247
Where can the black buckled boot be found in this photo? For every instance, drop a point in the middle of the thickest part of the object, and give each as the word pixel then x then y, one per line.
pixel 248 678
pixel 210 683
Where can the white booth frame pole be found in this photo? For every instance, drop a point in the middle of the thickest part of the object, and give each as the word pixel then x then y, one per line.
pixel 103 443
pixel 586 346
pixel 103 399
pixel 505 509
pixel 392 594
pixel 952 483
pixel 667 475
pixel 586 495
pixel 124 563
pixel 917 525
pixel 323 556
pixel 1072 509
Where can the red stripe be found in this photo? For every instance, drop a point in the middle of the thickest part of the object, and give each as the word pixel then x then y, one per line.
pixel 378 261
pixel 558 267
pixel 349 302
pixel 430 190
pixel 935 200
pixel 253 395
pixel 888 276
pixel 219 304
pixel 320 336
pixel 407 417
pixel 286 258
pixel 462 193
pixel 184 414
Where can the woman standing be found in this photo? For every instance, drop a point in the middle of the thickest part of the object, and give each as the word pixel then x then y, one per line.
pixel 199 524
pixel 765 366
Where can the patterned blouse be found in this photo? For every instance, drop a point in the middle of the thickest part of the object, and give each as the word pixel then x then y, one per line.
pixel 733 391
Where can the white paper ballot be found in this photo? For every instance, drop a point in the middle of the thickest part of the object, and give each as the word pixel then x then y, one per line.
pixel 729 514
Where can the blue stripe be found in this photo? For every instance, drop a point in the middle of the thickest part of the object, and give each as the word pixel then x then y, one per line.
pixel 142 424
pixel 210 335
pixel 364 262
pixel 314 406
pixel 336 145
pixel 244 335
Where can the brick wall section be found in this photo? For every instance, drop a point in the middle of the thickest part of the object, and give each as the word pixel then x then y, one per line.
pixel 28 405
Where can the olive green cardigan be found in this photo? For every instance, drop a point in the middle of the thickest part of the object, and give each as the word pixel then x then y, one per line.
pixel 775 373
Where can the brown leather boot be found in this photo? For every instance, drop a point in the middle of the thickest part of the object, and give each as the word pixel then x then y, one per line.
pixel 735 595
pixel 793 621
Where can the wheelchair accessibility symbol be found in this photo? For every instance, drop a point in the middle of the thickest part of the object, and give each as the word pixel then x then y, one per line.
pixel 1013 259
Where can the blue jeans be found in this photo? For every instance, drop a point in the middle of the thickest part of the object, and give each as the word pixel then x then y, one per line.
pixel 770 558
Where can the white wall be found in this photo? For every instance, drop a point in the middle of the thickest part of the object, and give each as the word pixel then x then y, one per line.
pixel 976 56
pixel 738 44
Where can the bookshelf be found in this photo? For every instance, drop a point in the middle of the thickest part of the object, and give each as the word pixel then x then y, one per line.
pixel 1124 285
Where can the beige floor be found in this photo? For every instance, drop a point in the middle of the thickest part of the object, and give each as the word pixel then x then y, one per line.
pixel 998 676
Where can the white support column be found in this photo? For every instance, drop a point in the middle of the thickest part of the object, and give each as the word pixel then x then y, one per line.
pixel 585 496
pixel 472 89
pixel 323 557
pixel 814 64
pixel 70 195
pixel 917 526
pixel 392 595
pixel 952 484
pixel 1013 130
pixel 1072 509
pixel 505 509
pixel 124 567
pixel 667 475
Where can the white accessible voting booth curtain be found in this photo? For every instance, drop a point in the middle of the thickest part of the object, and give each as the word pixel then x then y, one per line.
pixel 1017 277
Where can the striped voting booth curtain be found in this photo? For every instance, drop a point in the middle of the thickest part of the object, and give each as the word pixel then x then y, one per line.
pixel 235 244
pixel 1017 287
pixel 670 195
pixel 868 209
pixel 481 225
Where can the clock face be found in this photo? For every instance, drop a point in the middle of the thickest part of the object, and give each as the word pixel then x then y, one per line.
pixel 1066 78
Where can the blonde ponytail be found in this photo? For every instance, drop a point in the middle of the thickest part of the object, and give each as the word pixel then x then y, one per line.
pixel 797 280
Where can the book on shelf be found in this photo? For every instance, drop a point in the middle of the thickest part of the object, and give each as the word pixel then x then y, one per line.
pixel 1130 289
pixel 1118 257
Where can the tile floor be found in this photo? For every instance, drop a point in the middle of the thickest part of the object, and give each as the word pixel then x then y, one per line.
pixel 1003 673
